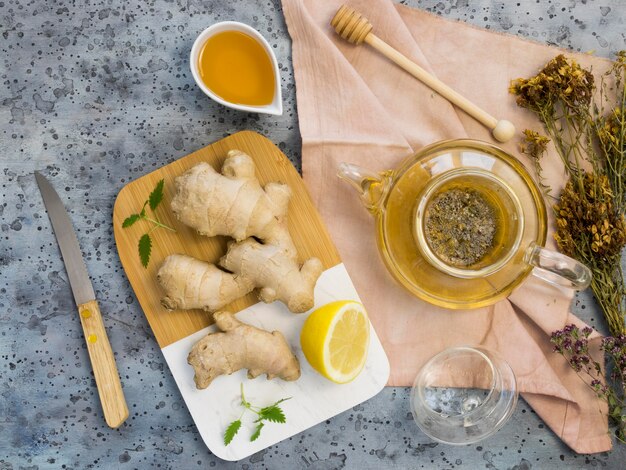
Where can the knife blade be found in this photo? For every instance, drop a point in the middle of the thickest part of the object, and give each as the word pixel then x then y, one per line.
pixel 100 352
pixel 68 243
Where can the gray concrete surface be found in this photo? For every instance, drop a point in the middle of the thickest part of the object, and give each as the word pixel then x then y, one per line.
pixel 98 93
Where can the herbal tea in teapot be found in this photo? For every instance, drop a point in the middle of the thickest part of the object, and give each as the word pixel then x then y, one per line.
pixel 468 222
pixel 461 224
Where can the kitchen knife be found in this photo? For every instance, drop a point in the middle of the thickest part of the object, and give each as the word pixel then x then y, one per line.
pixel 100 353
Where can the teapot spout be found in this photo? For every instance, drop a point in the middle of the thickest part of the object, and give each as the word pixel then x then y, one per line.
pixel 371 186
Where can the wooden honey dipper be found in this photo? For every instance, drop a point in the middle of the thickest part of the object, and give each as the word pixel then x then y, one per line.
pixel 356 29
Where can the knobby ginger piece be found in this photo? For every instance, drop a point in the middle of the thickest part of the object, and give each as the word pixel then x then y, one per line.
pixel 277 275
pixel 241 346
pixel 190 283
pixel 233 203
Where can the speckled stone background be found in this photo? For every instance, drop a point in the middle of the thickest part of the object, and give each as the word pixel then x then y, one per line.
pixel 96 93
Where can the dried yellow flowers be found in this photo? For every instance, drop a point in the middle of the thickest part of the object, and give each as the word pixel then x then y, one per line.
pixel 559 81
pixel 592 145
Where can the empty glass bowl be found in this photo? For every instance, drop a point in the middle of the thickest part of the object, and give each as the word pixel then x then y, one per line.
pixel 463 395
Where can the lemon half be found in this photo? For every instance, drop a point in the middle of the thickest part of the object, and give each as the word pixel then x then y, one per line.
pixel 335 339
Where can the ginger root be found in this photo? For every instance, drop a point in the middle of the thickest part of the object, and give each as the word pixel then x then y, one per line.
pixel 276 273
pixel 190 283
pixel 241 346
pixel 234 204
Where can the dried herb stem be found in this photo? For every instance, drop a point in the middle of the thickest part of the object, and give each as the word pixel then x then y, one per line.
pixel 591 144
pixel 591 227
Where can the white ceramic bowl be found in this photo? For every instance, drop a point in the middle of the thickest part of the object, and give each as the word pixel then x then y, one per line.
pixel 276 106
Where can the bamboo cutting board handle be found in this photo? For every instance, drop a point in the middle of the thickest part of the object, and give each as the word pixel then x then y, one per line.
pixel 103 364
pixel 356 29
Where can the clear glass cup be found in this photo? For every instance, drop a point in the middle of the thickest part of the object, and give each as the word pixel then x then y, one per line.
pixel 463 395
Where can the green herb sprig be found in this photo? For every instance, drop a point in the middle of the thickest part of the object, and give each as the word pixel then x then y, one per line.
pixel 144 246
pixel 272 413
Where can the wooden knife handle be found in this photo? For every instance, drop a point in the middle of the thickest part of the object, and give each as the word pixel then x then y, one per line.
pixel 103 364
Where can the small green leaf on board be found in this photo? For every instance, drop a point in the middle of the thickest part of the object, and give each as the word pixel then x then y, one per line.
pixel 257 432
pixel 231 430
pixel 156 196
pixel 130 220
pixel 272 413
pixel 145 249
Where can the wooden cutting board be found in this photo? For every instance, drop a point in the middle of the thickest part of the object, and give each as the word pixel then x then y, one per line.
pixel 306 228
pixel 314 398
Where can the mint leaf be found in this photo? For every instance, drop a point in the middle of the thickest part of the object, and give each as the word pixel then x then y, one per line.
pixel 130 220
pixel 272 413
pixel 156 196
pixel 145 249
pixel 257 432
pixel 231 430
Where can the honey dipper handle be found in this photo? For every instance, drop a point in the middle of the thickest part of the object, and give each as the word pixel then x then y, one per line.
pixel 502 130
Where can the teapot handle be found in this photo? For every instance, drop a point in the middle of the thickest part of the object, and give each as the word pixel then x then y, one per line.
pixel 557 268
pixel 371 186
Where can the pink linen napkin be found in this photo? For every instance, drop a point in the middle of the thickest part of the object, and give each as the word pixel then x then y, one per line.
pixel 356 106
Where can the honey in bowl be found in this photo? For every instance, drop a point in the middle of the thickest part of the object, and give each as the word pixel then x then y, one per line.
pixel 236 67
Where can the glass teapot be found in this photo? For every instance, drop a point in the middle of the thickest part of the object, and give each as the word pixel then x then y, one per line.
pixel 461 224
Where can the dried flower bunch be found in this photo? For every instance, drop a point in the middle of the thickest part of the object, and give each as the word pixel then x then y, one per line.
pixel 590 229
pixel 591 143
pixel 573 344
pixel 560 83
